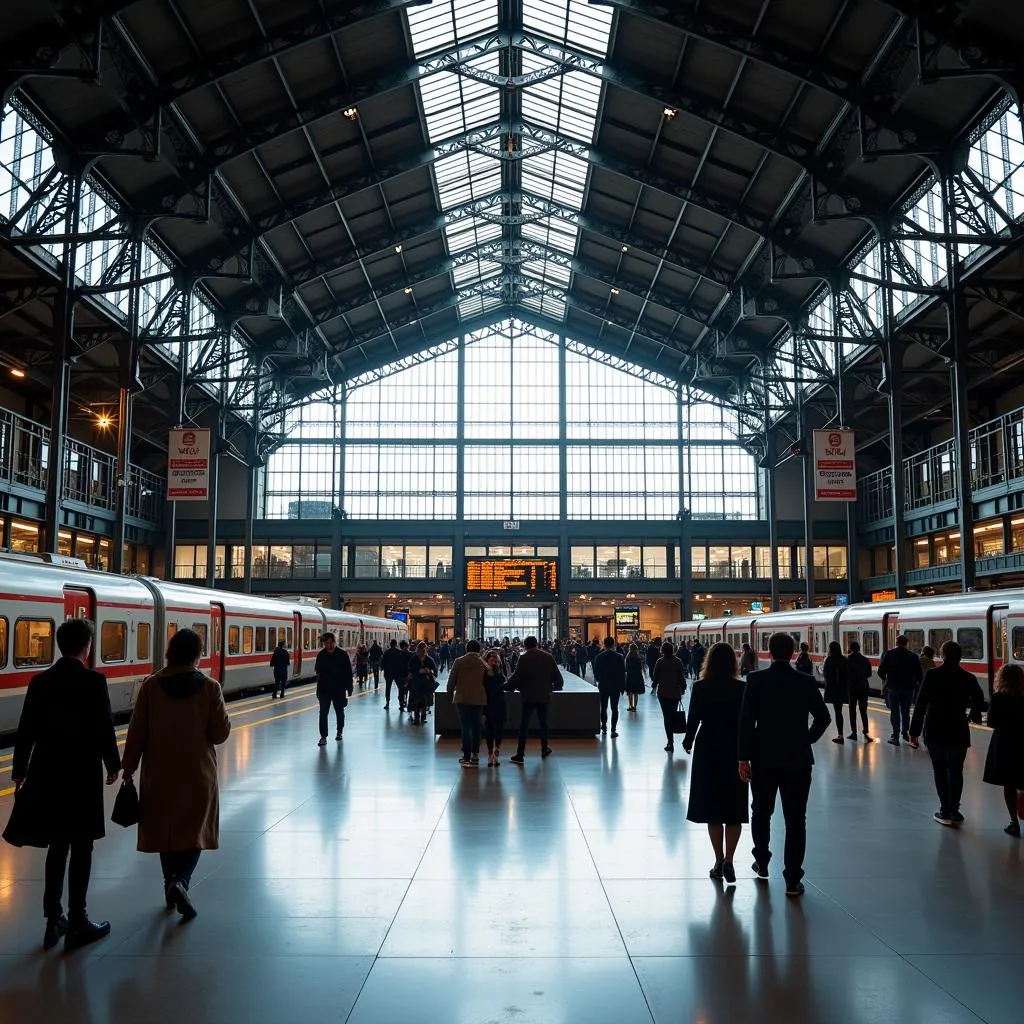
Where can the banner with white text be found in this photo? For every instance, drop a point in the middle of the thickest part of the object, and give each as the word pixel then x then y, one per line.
pixel 835 474
pixel 188 464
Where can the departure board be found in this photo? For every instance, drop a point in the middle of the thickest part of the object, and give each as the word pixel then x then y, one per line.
pixel 512 575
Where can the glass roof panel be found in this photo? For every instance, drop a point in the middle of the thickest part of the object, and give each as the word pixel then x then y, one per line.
pixel 438 26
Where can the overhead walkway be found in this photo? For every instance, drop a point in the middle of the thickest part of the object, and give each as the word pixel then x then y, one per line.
pixel 376 881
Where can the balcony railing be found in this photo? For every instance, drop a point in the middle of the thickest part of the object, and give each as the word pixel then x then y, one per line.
pixel 90 475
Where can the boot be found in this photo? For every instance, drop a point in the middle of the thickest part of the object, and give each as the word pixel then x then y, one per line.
pixel 81 933
pixel 56 929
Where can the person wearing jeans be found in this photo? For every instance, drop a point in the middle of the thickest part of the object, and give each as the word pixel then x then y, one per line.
pixel 668 680
pixel 536 677
pixel 949 694
pixel 610 676
pixel 469 695
pixel 900 672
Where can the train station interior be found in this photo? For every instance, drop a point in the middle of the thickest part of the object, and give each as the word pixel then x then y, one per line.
pixel 509 318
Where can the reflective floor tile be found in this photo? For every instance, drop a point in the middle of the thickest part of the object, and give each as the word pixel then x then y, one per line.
pixel 229 896
pixel 502 990
pixel 983 983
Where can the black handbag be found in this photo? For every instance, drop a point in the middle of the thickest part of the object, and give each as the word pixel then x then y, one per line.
pixel 126 805
pixel 679 720
pixel 25 827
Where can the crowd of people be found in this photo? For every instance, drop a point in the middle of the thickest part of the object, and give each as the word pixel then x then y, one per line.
pixel 750 732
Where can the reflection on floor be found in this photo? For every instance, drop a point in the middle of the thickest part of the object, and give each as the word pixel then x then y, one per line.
pixel 376 881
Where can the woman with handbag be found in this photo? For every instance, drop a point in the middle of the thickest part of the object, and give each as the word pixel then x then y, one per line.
pixel 178 719
pixel 718 797
pixel 1004 764
pixel 669 681
pixel 422 683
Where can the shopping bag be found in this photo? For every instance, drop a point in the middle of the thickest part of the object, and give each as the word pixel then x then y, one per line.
pixel 126 805
pixel 679 720
pixel 26 827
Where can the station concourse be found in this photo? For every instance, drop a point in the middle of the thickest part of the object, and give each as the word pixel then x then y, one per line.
pixel 450 320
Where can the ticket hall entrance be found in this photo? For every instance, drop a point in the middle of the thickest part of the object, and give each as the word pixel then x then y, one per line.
pixel 494 622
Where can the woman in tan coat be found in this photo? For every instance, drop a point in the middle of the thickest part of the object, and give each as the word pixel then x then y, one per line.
pixel 178 718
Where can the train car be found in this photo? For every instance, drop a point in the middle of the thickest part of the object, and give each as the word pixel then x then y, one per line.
pixel 135 616
pixel 988 625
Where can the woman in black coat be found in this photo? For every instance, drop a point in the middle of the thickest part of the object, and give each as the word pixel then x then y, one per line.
pixel 494 713
pixel 859 671
pixel 718 797
pixel 837 685
pixel 1004 765
pixel 634 676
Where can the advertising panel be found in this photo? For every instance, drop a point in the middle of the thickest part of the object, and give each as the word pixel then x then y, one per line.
pixel 188 464
pixel 835 475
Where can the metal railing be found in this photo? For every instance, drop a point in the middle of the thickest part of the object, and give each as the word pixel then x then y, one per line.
pixel 90 476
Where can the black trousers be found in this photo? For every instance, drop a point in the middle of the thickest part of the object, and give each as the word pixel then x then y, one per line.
pixel 78 877
pixel 375 669
pixel 280 681
pixel 859 701
pixel 178 865
pixel 793 785
pixel 494 727
pixel 524 724
pixel 838 710
pixel 668 709
pixel 948 768
pixel 388 683
pixel 613 700
pixel 325 711
pixel 900 699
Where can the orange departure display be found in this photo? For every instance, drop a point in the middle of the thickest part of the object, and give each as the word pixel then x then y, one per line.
pixel 499 575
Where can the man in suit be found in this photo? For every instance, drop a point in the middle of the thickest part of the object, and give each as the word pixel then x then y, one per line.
pixel 947 692
pixel 535 677
pixel 610 675
pixel 900 672
pixel 334 684
pixel 65 738
pixel 280 660
pixel 775 754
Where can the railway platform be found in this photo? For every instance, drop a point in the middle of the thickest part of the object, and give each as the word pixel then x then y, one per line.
pixel 375 881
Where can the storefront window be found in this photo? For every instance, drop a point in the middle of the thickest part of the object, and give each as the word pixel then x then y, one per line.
pixel 698 562
pixel 416 561
pixel 922 556
pixel 947 548
pixel 190 561
pixel 1017 534
pixel 64 542
pixel 988 539
pixel 238 562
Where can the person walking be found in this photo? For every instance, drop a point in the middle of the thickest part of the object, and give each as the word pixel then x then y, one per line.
pixel 1004 764
pixel 536 677
pixel 177 722
pixel 775 755
pixel 748 661
pixel 280 660
pixel 949 695
pixel 859 671
pixel 927 662
pixel 651 656
pixel 718 796
pixel 610 676
pixel 494 714
pixel 393 664
pixel 593 649
pixel 837 685
pixel 469 696
pixel 803 660
pixel 362 665
pixel 900 672
pixel 422 672
pixel 333 670
pixel 376 657
pixel 65 738
pixel 402 679
pixel 634 676
pixel 670 684
pixel 697 654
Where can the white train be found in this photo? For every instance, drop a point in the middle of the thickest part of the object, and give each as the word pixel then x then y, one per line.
pixel 136 615
pixel 988 625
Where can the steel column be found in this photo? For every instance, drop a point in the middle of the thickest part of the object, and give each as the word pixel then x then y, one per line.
pixel 338 512
pixel 214 502
pixel 894 357
pixel 564 552
pixel 685 567
pixel 250 501
pixel 842 404
pixel 172 506
pixel 459 540
pixel 807 470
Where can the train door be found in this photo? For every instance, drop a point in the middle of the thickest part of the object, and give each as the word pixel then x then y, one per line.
pixel 80 603
pixel 296 632
pixel 217 642
pixel 891 630
pixel 997 646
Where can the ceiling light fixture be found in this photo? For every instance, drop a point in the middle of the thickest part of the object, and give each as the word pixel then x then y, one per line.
pixel 351 113
pixel 17 371
pixel 103 421
pixel 670 112
pixel 408 291
pixel 625 248
pixel 398 250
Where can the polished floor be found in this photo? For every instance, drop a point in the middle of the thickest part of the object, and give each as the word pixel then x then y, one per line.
pixel 374 881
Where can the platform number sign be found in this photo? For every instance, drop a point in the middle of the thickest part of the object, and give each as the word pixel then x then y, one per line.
pixel 835 474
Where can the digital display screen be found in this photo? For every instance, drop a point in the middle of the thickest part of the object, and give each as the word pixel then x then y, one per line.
pixel 401 614
pixel 512 575
pixel 627 617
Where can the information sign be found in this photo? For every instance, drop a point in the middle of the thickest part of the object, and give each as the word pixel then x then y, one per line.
pixel 512 575
pixel 835 474
pixel 627 617
pixel 188 464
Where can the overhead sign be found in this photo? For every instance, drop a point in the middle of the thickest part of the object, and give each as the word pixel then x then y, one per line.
pixel 522 575
pixel 510 524
pixel 883 595
pixel 627 617
pixel 188 464
pixel 401 614
pixel 835 475
pixel 842 600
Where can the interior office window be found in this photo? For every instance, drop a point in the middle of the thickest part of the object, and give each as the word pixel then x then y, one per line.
pixel 33 642
pixel 763 562
pixel 742 562
pixel 367 563
pixel 280 561
pixel 439 561
pixel 921 554
pixel 113 641
pixel 190 561
pixel 304 565
pixel 698 562
pixel 237 561
pixel 547 551
pixel 655 562
pixel 971 643
pixel 988 539
pixel 234 640
pixel 947 548
pixel 416 561
pixel 719 566
pixel 475 550
pixel 582 561
pixel 785 563
pixel 142 638
pixel 24 536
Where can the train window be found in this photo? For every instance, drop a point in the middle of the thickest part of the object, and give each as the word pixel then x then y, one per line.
pixel 937 637
pixel 1018 643
pixel 247 639
pixel 172 628
pixel 915 639
pixel 850 636
pixel 234 640
pixel 745 638
pixel 271 637
pixel 3 642
pixel 970 642
pixel 33 642
pixel 307 639
pixel 765 640
pixel 142 641
pixel 872 645
pixel 200 628
pixel 113 641
pixel 289 642
pixel 261 639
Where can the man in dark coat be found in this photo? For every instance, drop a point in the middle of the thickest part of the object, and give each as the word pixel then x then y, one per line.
pixel 610 675
pixel 696 659
pixel 279 662
pixel 535 677
pixel 775 754
pixel 394 664
pixel 376 658
pixel 900 672
pixel 859 671
pixel 65 735
pixel 334 684
pixel 947 692
pixel 652 654
pixel 593 650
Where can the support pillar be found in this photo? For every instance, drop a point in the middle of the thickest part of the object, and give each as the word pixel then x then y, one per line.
pixel 171 514
pixel 459 539
pixel 773 530
pixel 807 467
pixel 211 534
pixel 338 514
pixel 564 550
pixel 842 407
pixel 894 358
pixel 684 570
pixel 251 470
